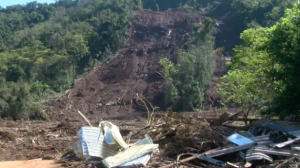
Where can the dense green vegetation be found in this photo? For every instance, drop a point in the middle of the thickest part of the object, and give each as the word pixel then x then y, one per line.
pixel 45 47
pixel 265 70
pixel 163 5
pixel 188 80
pixel 256 13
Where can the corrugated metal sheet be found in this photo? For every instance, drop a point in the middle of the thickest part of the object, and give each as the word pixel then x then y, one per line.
pixel 275 126
pixel 251 156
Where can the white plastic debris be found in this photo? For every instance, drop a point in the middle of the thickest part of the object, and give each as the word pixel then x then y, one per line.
pixel 129 155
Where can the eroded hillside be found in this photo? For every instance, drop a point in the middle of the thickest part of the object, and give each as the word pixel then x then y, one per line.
pixel 109 91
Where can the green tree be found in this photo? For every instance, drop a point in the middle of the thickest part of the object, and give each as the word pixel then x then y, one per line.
pixel 192 73
pixel 247 82
pixel 76 48
pixel 283 48
pixel 265 70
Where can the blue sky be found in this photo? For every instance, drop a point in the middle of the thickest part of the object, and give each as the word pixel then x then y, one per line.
pixel 4 3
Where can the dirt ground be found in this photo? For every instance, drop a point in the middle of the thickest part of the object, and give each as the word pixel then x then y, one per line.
pixel 28 140
pixel 30 164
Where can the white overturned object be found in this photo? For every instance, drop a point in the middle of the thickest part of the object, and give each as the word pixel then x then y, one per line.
pixel 102 141
pixel 92 144
pixel 129 155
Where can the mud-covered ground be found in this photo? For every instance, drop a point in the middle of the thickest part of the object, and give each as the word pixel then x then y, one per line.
pixel 28 140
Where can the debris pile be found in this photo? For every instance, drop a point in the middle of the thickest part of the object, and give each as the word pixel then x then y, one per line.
pixel 184 139
pixel 187 140
pixel 261 143
pixel 104 144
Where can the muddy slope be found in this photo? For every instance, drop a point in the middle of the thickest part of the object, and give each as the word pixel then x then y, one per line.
pixel 110 90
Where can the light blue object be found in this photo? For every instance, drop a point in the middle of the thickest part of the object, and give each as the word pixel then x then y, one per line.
pixel 239 139
pixel 109 139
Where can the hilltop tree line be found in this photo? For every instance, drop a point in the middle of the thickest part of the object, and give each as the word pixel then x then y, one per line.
pixel 45 47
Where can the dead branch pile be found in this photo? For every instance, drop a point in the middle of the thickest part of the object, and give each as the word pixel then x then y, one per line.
pixel 178 135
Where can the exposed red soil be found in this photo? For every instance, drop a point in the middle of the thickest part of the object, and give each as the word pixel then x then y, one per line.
pixel 110 90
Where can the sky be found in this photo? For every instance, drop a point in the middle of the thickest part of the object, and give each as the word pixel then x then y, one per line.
pixel 5 3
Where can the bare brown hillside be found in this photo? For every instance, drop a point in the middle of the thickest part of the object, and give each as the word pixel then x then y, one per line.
pixel 110 90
